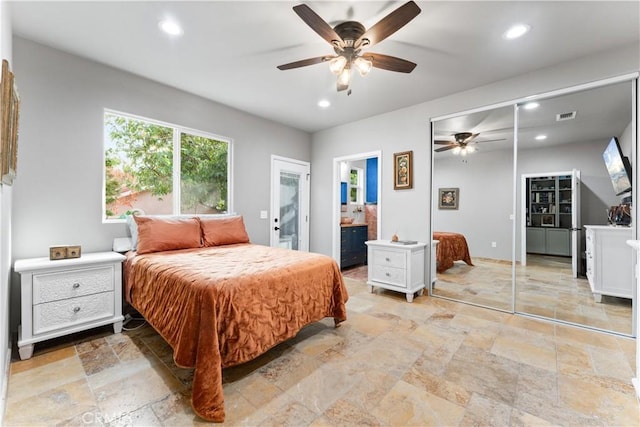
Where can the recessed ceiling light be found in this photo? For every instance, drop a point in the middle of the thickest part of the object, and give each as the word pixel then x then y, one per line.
pixel 541 137
pixel 170 27
pixel 323 103
pixel 531 105
pixel 516 31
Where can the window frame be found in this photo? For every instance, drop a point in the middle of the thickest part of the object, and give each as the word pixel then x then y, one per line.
pixel 359 187
pixel 178 130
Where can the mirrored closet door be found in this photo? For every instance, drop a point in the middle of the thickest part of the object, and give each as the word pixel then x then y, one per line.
pixel 529 206
pixel 473 188
pixel 574 264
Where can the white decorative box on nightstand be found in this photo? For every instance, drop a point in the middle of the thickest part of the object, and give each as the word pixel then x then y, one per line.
pixel 70 295
pixel 397 267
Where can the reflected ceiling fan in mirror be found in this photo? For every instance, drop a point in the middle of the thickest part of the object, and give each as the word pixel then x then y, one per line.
pixel 349 38
pixel 461 145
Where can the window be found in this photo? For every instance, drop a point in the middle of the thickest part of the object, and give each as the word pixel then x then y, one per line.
pixel 158 168
pixel 355 186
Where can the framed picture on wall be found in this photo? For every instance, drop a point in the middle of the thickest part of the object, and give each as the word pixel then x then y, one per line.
pixel 448 198
pixel 9 110
pixel 403 170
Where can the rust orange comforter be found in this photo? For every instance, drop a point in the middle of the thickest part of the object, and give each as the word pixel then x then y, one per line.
pixel 225 305
pixel 452 247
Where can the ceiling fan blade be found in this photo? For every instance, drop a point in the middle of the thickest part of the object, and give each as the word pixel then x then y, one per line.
pixel 490 140
pixel 442 142
pixel 304 62
pixel 390 63
pixel 318 24
pixel 449 147
pixel 389 24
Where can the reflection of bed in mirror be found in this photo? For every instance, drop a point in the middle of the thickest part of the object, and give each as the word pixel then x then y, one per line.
pixel 452 247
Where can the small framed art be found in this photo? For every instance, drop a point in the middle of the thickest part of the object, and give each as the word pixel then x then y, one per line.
pixel 403 170
pixel 9 108
pixel 448 198
pixel 547 220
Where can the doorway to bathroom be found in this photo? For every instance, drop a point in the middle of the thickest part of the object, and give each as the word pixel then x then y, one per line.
pixel 356 207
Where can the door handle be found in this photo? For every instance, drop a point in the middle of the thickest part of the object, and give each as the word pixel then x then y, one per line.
pixel 276 228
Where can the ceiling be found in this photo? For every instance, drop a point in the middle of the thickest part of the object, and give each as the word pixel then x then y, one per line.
pixel 230 49
pixel 600 113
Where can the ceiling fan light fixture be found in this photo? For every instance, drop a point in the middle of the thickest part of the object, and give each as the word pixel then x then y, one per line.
pixel 349 37
pixel 457 151
pixel 470 149
pixel 344 78
pixel 363 65
pixel 337 64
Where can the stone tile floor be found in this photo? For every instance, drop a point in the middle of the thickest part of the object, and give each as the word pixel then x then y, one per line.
pixel 392 363
pixel 545 287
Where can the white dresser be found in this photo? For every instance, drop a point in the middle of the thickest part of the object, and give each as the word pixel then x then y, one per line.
pixel 635 244
pixel 65 296
pixel 396 267
pixel 610 261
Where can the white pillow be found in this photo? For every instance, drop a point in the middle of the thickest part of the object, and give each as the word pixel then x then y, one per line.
pixel 133 230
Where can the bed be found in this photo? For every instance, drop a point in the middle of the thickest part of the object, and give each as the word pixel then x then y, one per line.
pixel 452 247
pixel 220 305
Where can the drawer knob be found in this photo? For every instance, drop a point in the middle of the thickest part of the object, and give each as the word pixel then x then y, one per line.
pixel 387 274
pixel 76 285
pixel 387 259
pixel 76 309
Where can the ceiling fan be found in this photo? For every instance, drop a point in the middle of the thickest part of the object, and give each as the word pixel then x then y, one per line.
pixel 461 143
pixel 350 37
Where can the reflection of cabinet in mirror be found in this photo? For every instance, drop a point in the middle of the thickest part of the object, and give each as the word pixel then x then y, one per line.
pixel 549 200
pixel 609 261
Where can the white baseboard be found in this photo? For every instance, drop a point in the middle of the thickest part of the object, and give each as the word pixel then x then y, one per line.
pixel 4 387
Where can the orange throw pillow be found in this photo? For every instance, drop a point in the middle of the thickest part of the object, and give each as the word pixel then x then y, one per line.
pixel 166 234
pixel 223 231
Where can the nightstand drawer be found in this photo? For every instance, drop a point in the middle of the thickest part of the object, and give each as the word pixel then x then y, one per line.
pixel 391 275
pixel 389 258
pixel 61 314
pixel 49 287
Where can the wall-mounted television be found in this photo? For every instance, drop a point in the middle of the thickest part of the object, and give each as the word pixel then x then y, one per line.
pixel 618 167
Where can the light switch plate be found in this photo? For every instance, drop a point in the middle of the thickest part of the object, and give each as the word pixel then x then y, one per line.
pixel 264 214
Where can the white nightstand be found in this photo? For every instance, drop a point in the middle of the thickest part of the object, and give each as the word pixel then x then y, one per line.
pixel 66 296
pixel 396 267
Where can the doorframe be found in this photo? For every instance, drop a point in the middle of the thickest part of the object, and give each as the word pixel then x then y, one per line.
pixel 305 204
pixel 523 213
pixel 336 213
